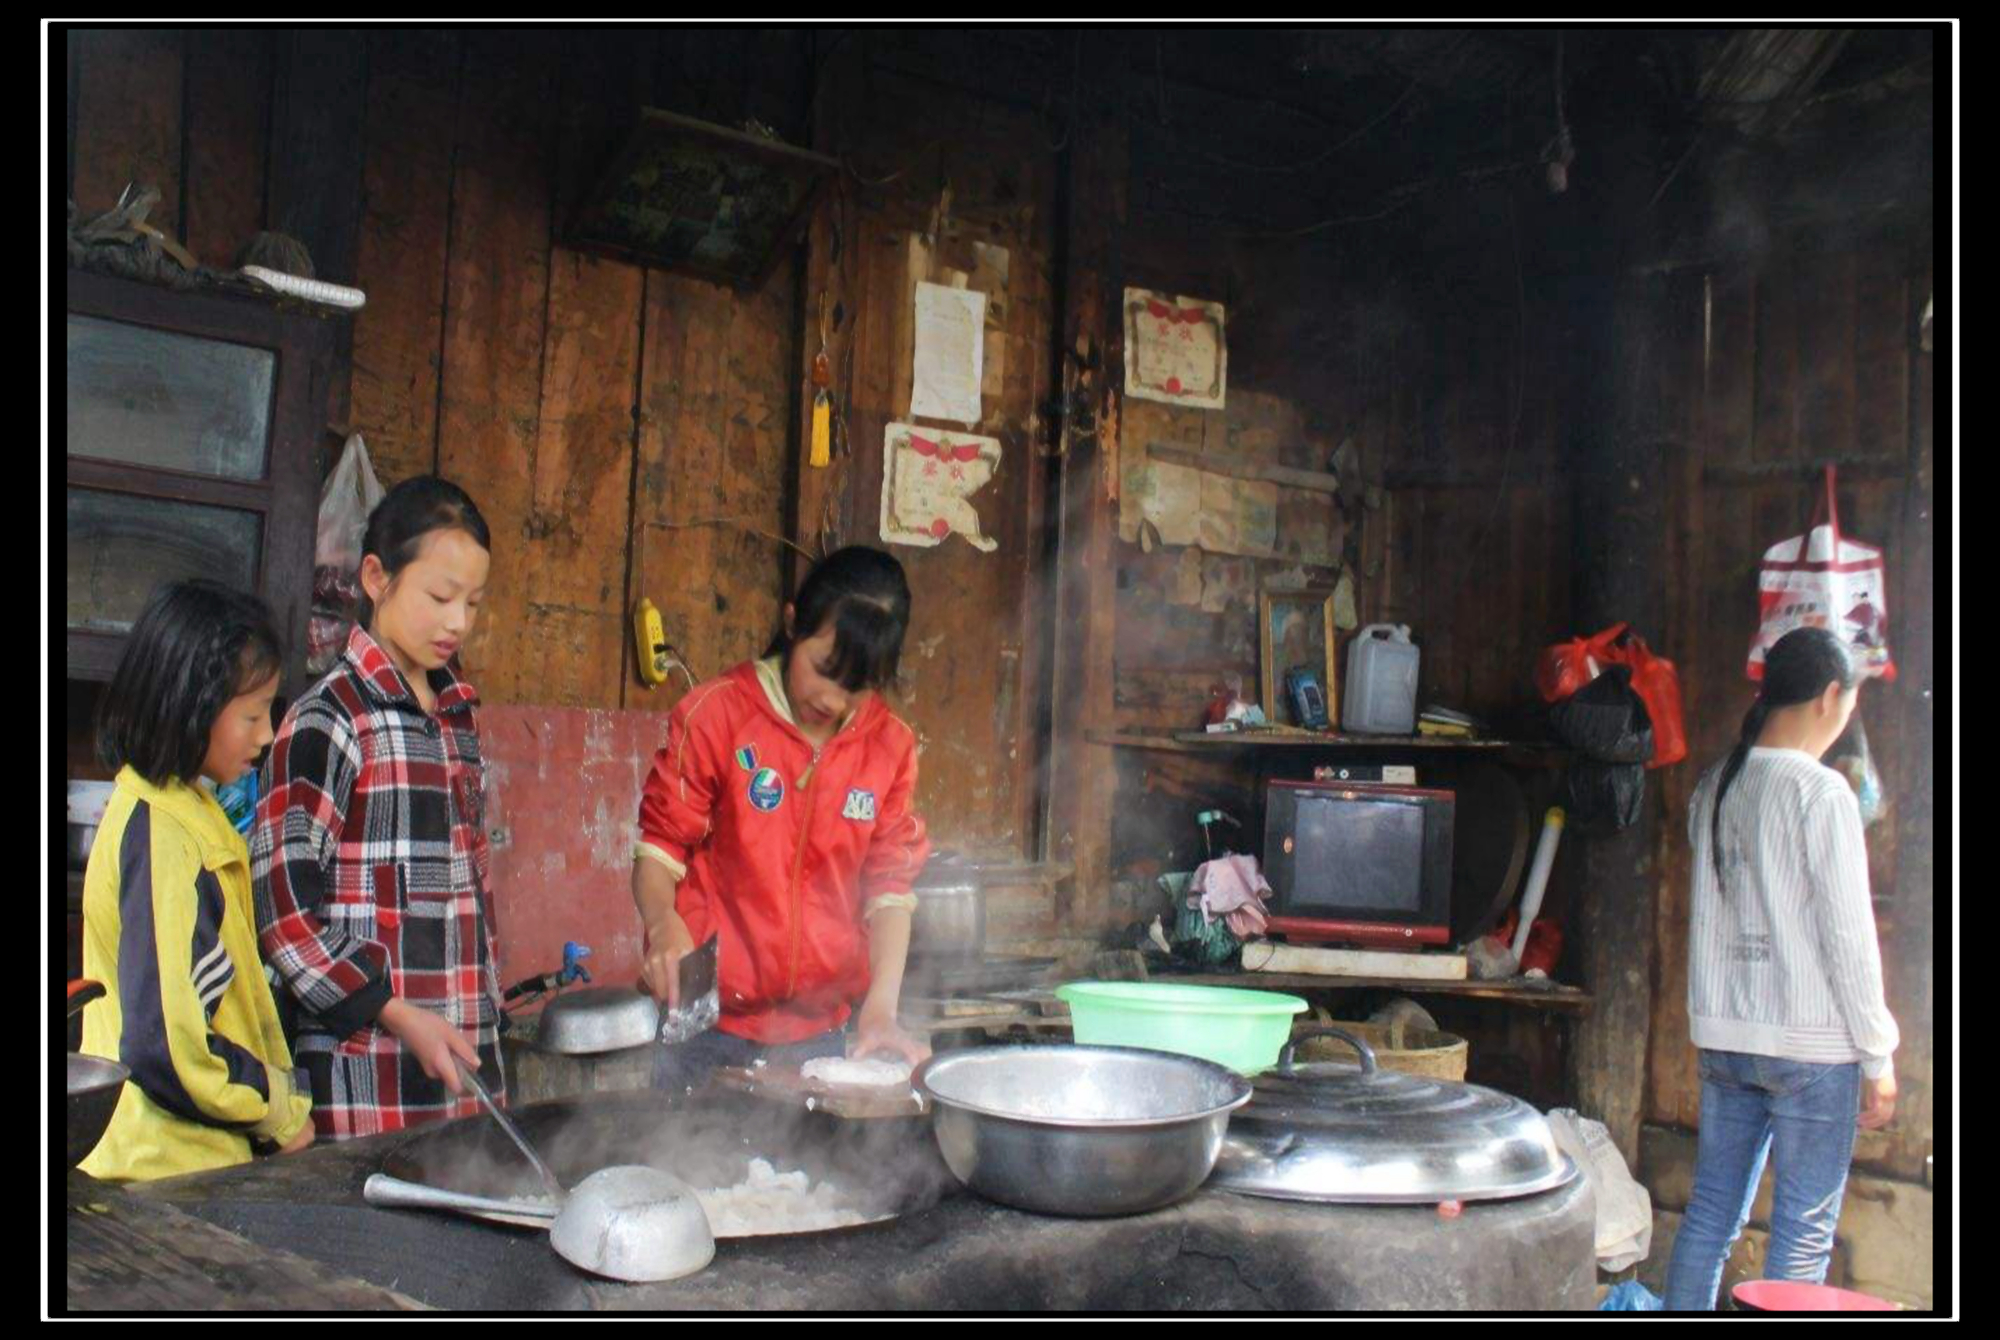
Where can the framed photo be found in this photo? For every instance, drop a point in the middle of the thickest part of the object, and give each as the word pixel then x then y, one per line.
pixel 1294 633
pixel 701 199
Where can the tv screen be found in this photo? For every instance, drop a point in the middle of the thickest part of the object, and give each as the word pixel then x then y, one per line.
pixel 1358 854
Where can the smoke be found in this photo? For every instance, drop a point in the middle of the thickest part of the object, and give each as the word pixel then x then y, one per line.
pixel 880 1167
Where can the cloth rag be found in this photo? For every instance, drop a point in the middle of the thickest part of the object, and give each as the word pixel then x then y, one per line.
pixel 1234 889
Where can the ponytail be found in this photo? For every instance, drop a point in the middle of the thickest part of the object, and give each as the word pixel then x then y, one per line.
pixel 1753 726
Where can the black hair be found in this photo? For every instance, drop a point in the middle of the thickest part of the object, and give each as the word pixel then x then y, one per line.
pixel 1797 669
pixel 407 513
pixel 196 645
pixel 864 595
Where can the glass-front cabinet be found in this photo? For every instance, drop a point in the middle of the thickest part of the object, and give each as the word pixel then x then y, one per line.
pixel 194 429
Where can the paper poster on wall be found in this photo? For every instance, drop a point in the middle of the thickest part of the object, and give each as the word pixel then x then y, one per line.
pixel 1166 496
pixel 928 478
pixel 1238 516
pixel 1310 528
pixel 950 354
pixel 1175 349
pixel 1226 582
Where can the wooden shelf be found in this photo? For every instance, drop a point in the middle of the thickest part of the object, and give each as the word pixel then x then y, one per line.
pixel 1201 742
pixel 1564 999
pixel 933 1017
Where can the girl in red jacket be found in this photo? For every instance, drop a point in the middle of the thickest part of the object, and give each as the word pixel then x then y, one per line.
pixel 779 818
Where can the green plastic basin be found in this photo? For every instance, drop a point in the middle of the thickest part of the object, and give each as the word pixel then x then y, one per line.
pixel 1244 1030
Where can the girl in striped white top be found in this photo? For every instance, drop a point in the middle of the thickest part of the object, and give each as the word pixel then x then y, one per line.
pixel 1785 995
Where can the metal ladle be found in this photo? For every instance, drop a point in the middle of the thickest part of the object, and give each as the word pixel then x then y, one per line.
pixel 630 1223
pixel 471 1077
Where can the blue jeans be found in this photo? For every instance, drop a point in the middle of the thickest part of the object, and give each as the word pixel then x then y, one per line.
pixel 687 1066
pixel 1753 1107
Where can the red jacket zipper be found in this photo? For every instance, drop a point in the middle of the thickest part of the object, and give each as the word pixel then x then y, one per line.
pixel 798 865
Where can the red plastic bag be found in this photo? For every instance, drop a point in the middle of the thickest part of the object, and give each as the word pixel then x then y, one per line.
pixel 1822 579
pixel 1545 941
pixel 1658 685
pixel 1568 666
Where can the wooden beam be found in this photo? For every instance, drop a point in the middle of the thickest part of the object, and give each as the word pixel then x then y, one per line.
pixel 401 256
pixel 313 187
pixel 1082 774
pixel 1873 468
pixel 497 285
pixel 1491 481
pixel 70 40
pixel 1621 528
pixel 1240 467
pixel 227 105
pixel 127 115
pixel 318 109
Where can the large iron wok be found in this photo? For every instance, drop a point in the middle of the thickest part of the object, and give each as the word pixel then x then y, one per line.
pixel 883 1169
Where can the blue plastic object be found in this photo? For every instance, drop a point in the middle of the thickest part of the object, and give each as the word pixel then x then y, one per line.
pixel 572 968
pixel 1308 698
pixel 1632 1296
pixel 239 801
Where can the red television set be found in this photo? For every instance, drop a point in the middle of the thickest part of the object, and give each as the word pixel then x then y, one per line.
pixel 1359 864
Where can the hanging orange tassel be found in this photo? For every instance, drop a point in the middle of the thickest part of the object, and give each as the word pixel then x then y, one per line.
pixel 821 454
pixel 822 433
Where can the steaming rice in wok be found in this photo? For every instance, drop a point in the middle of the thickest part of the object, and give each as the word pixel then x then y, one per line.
pixel 768 1201
pixel 758 1168
pixel 765 1202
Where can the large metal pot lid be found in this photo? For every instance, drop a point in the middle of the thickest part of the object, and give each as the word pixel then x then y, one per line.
pixel 1357 1134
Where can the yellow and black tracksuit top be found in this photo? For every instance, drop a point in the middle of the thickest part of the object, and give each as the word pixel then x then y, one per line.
pixel 168 929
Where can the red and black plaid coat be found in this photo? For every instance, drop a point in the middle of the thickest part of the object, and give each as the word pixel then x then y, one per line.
pixel 370 863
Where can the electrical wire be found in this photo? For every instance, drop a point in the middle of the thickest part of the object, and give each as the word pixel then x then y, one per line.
pixel 1400 198
pixel 1457 48
pixel 740 523
pixel 1075 82
pixel 1520 383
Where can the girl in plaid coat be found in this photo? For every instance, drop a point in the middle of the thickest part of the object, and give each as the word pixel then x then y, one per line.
pixel 369 852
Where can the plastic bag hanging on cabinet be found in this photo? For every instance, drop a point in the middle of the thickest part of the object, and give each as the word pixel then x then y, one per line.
pixel 1852 759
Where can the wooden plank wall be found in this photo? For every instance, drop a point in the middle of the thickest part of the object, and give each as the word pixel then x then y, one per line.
pixel 1422 367
pixel 944 188
pixel 632 432
pixel 128 118
pixel 569 392
pixel 1808 356
pixel 554 385
pixel 606 416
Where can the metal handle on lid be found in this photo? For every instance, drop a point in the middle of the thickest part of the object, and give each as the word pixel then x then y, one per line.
pixel 1368 1066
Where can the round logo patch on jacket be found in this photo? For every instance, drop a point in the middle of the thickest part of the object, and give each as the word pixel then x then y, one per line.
pixel 767 789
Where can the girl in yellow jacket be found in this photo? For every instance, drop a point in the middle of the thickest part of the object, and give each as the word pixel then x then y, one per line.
pixel 168 924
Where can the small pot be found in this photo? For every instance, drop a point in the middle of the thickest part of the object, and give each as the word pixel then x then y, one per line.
pixel 94 1087
pixel 950 921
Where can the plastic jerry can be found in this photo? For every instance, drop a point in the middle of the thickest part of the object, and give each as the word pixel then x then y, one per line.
pixel 1381 697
